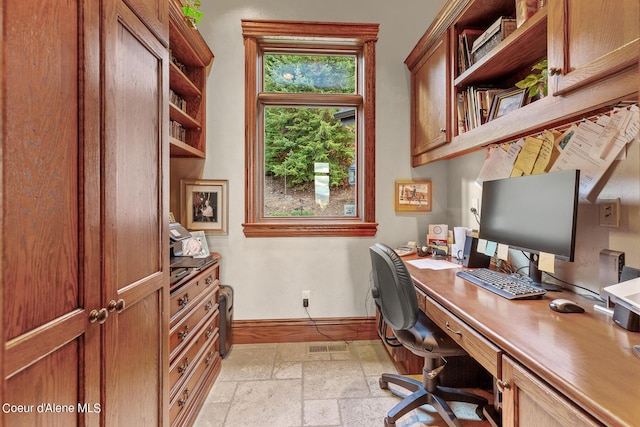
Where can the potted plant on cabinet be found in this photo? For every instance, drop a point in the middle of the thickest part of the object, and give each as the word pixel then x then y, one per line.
pixel 536 84
pixel 191 10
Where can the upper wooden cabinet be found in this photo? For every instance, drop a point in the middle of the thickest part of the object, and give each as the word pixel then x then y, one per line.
pixel 591 42
pixel 591 46
pixel 431 103
pixel 190 63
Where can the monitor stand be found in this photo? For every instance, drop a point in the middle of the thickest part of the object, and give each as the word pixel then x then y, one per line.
pixel 536 276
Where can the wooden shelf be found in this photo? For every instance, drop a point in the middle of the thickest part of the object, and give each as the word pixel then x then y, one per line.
pixel 189 48
pixel 517 50
pixel 180 83
pixel 183 118
pixel 178 148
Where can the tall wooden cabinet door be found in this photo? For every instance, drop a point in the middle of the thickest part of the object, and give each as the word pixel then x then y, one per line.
pixel 155 15
pixel 528 402
pixel 431 98
pixel 50 274
pixel 590 40
pixel 136 222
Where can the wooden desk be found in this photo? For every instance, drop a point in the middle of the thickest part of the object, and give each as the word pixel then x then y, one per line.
pixel 577 368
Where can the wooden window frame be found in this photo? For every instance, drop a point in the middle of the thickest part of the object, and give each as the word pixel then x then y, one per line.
pixel 322 37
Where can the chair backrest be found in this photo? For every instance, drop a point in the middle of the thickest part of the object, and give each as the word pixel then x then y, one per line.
pixel 393 289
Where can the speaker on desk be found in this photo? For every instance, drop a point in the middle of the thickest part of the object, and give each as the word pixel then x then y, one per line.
pixel 471 257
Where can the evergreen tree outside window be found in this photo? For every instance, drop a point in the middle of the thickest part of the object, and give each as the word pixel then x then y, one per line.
pixel 310 129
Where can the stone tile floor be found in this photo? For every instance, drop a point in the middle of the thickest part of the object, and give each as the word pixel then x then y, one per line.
pixel 287 385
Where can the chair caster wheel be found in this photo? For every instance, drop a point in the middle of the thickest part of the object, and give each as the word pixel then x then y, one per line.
pixel 389 423
pixel 383 385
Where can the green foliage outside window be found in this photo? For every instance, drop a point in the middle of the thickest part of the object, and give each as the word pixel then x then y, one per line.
pixel 298 137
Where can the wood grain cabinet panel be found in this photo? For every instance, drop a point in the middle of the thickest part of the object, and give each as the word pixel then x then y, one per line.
pixel 85 206
pixel 591 41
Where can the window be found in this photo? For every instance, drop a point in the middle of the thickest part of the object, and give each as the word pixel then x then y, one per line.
pixel 309 129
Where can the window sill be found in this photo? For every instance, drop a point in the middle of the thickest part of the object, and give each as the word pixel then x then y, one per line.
pixel 334 229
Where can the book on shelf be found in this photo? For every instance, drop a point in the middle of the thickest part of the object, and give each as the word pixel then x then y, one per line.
pixel 465 42
pixel 497 32
pixel 473 106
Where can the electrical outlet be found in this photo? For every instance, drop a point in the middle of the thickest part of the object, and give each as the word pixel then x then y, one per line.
pixel 306 295
pixel 609 213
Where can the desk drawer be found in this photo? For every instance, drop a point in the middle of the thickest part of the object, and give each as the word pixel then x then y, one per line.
pixel 482 350
pixel 179 334
pixel 182 365
pixel 187 294
pixel 190 391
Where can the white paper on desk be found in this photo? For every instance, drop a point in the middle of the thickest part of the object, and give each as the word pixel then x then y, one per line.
pixel 432 264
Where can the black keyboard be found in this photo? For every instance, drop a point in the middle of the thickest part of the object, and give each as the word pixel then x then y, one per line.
pixel 509 286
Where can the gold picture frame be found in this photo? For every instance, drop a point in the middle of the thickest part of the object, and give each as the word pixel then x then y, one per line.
pixel 412 196
pixel 204 205
pixel 505 102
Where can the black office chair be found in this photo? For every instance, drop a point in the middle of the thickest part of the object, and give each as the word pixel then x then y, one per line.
pixel 395 296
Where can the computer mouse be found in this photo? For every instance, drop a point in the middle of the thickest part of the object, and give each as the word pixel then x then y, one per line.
pixel 562 305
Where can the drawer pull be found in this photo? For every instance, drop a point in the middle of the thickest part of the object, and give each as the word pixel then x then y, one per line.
pixel 183 334
pixel 458 333
pixel 183 368
pixel 503 385
pixel 207 361
pixel 182 302
pixel 209 306
pixel 209 280
pixel 209 333
pixel 182 401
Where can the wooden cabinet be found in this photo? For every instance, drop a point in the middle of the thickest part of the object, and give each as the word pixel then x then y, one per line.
pixel 593 50
pixel 85 207
pixel 431 101
pixel 528 401
pixel 590 41
pixel 191 59
pixel 194 344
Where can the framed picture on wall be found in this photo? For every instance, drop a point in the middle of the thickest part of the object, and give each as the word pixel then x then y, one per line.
pixel 204 205
pixel 413 196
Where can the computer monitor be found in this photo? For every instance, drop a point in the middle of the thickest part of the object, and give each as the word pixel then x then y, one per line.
pixel 535 213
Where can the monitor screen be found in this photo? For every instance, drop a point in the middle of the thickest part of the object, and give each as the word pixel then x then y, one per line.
pixel 535 213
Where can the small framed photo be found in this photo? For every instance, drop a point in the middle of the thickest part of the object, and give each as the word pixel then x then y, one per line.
pixel 505 102
pixel 413 196
pixel 204 205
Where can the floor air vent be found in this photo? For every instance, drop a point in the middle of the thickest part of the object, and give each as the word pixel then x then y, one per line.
pixel 324 348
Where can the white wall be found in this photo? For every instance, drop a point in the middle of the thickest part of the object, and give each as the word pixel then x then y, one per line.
pixel 268 274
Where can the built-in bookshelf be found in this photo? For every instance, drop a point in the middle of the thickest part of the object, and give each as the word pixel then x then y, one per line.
pixel 452 86
pixel 190 61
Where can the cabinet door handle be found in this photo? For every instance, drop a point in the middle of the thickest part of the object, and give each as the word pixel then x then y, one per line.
pixel 554 71
pixel 99 316
pixel 503 385
pixel 118 306
pixel 208 280
pixel 458 333
pixel 442 130
pixel 209 333
pixel 208 307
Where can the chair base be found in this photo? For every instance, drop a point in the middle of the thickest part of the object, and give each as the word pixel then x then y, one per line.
pixel 421 396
